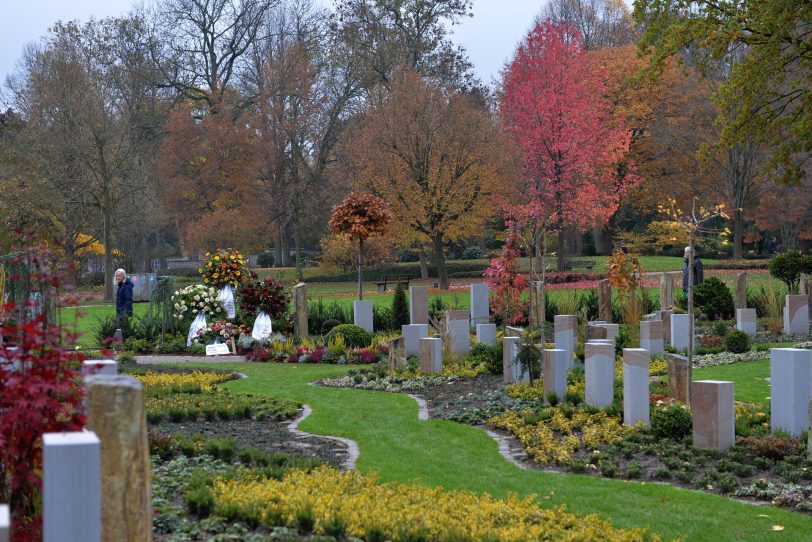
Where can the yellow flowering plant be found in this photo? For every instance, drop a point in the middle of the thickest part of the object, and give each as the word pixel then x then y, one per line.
pixel 224 266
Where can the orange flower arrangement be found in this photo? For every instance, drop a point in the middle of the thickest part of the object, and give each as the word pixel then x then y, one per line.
pixel 224 266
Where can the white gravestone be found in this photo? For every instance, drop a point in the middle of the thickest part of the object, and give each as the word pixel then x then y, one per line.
pixel 412 333
pixel 512 371
pixel 714 417
pixel 486 334
pixel 554 365
pixel 5 523
pixel 566 333
pixel 418 304
pixel 790 383
pixel 680 330
pixel 431 355
pixel 651 336
pixel 71 487
pixel 599 367
pixel 635 386
pixel 796 315
pixel 746 320
pixel 99 367
pixel 362 314
pixel 480 308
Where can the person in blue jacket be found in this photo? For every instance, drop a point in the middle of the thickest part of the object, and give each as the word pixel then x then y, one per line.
pixel 124 294
pixel 699 274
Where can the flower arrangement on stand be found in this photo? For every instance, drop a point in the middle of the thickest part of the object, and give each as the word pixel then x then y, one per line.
pixel 268 295
pixel 189 301
pixel 224 266
pixel 220 330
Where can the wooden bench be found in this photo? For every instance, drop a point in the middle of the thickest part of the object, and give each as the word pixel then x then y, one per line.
pixel 582 264
pixel 387 280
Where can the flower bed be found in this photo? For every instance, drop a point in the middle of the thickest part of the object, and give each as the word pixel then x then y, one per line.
pixel 727 358
pixel 326 501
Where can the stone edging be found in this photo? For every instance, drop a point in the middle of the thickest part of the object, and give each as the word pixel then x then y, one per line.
pixel 352 447
pixel 422 407
pixel 504 448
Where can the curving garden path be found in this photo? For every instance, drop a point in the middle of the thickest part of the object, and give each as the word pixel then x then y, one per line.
pixel 401 447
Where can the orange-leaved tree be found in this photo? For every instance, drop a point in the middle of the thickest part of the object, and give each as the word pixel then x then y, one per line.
pixel 435 155
pixel 360 216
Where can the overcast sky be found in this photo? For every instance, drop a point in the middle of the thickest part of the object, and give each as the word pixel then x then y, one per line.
pixel 490 36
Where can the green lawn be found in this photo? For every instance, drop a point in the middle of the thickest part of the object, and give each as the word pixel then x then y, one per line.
pixel 749 385
pixel 401 448
pixel 83 320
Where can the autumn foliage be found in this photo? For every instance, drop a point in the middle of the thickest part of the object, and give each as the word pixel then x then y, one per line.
pixel 508 284
pixel 360 216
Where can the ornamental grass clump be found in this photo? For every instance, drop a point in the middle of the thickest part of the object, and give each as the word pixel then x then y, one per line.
pixel 330 501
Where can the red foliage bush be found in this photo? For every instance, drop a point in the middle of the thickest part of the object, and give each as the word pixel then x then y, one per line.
pixel 508 284
pixel 40 392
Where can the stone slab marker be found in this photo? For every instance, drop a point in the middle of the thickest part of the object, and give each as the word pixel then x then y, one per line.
pixel 599 366
pixel 796 315
pixel 714 420
pixel 612 330
pixel 300 310
pixel 665 316
pixel 678 377
pixel 99 367
pixel 5 523
pixel 651 336
pixel 458 324
pixel 511 371
pixel 605 300
pixel 115 412
pixel 566 332
pixel 790 370
pixel 635 386
pixel 418 304
pixel 397 354
pixel 595 332
pixel 666 291
pixel 412 333
pixel 362 314
pixel 741 291
pixel 680 330
pixel 809 441
pixel 511 331
pixel 71 487
pixel 537 315
pixel 431 355
pixel 554 365
pixel 480 304
pixel 746 320
pixel 486 334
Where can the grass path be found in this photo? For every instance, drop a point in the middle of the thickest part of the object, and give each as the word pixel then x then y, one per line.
pixel 440 453
pixel 750 377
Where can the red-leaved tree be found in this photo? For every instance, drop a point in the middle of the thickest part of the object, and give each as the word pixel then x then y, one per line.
pixel 508 284
pixel 554 105
pixel 40 392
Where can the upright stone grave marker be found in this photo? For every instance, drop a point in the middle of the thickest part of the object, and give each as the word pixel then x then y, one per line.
pixel 651 336
pixel 741 291
pixel 5 523
pixel 678 377
pixel 714 419
pixel 300 310
pixel 599 366
pixel 511 331
pixel 605 300
pixel 680 331
pixel 362 314
pixel 480 304
pixel 596 332
pixel 431 355
pixel 71 487
pixel 635 386
pixel 537 304
pixel 612 330
pixel 666 291
pixel 486 334
pixel 790 370
pixel 554 365
pixel 99 367
pixel 458 324
pixel 566 333
pixel 412 333
pixel 418 304
pixel 746 320
pixel 796 315
pixel 397 355
pixel 512 372
pixel 115 413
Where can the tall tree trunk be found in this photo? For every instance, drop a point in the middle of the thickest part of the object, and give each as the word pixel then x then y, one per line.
pixel 738 233
pixel 297 240
pixel 424 265
pixel 360 269
pixel 561 255
pixel 277 249
pixel 107 213
pixel 442 272
pixel 285 247
pixel 159 247
pixel 538 267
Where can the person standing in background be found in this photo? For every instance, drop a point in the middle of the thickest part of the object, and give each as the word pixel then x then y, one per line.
pixel 699 274
pixel 124 294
